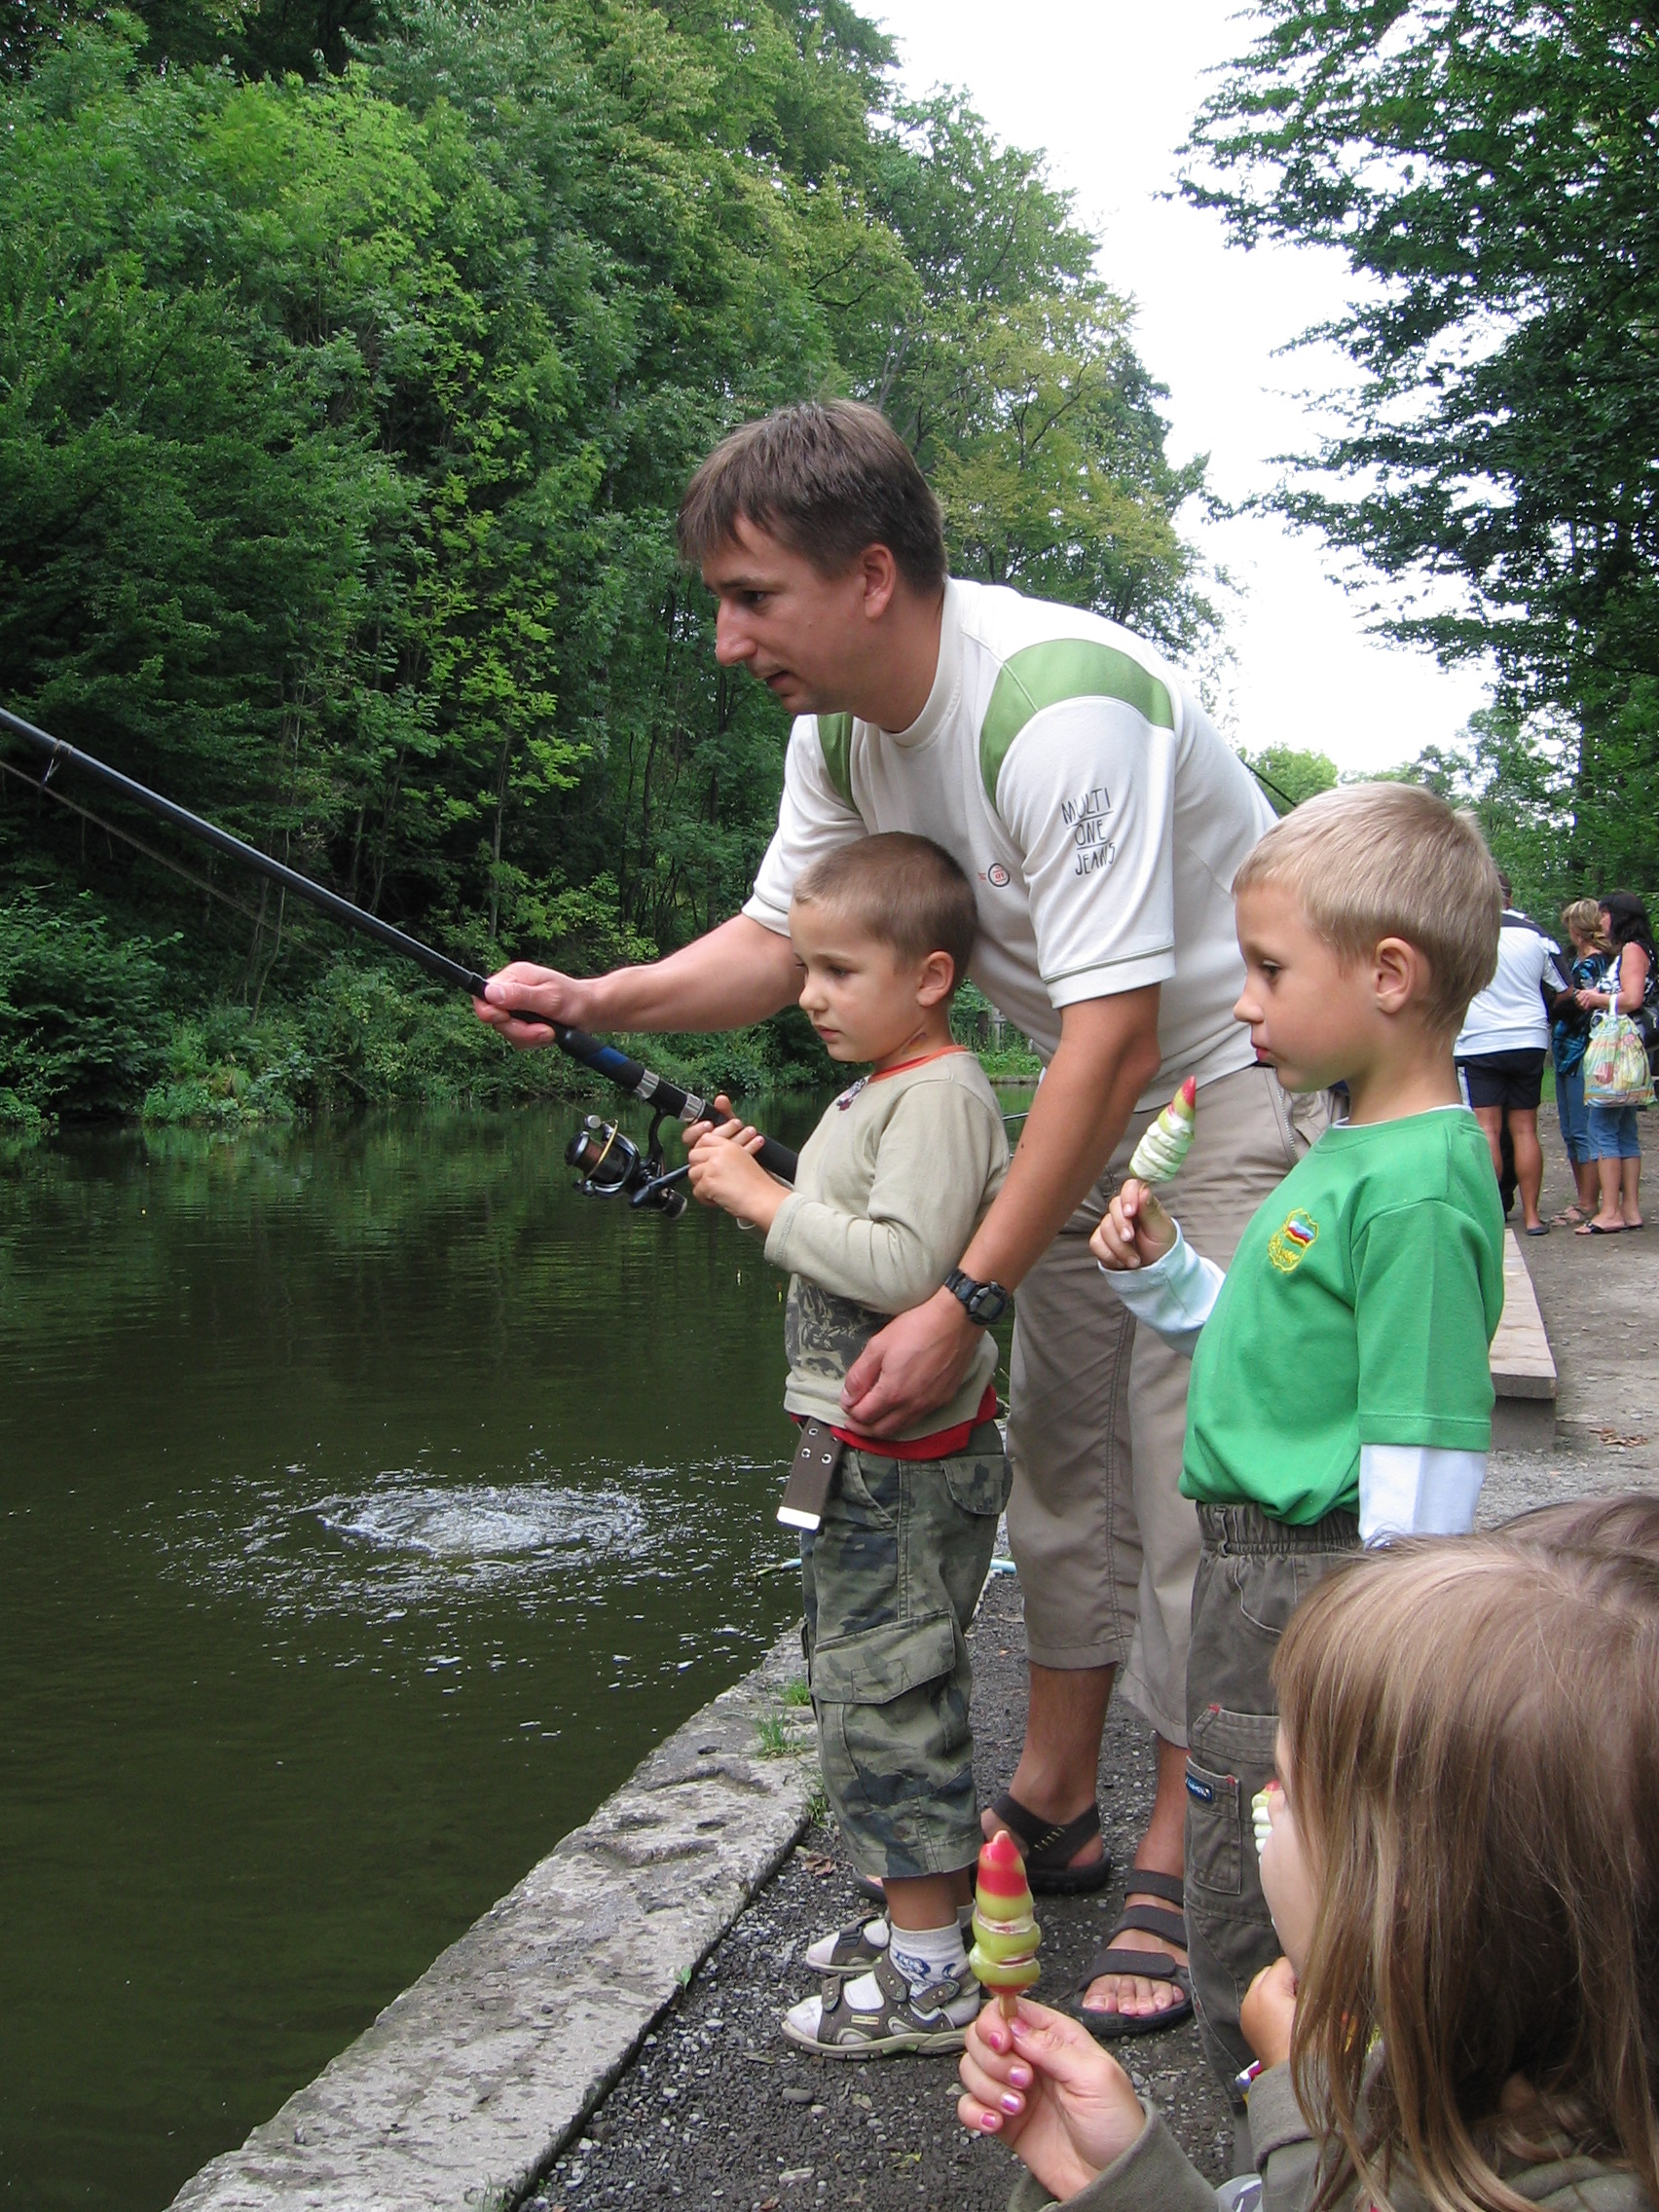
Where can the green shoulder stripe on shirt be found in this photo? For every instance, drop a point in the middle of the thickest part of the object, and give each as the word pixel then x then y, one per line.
pixel 835 743
pixel 1042 676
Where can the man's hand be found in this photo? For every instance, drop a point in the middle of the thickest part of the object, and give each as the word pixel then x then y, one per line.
pixel 913 1365
pixel 1135 1231
pixel 725 1173
pixel 561 998
pixel 738 974
pixel 1054 2097
pixel 1268 2014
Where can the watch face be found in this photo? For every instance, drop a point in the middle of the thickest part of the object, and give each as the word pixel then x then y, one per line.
pixel 988 1303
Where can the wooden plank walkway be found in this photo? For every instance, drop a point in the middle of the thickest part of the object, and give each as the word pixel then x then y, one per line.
pixel 1523 1365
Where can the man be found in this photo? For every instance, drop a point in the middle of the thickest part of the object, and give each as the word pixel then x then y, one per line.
pixel 1100 820
pixel 1500 1056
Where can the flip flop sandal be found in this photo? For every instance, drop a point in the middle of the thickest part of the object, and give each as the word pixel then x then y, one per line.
pixel 1150 1966
pixel 906 2020
pixel 1048 1846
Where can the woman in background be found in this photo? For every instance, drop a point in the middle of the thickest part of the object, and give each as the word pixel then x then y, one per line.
pixel 1627 984
pixel 1569 1032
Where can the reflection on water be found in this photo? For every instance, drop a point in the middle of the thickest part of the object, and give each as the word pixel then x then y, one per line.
pixel 370 1504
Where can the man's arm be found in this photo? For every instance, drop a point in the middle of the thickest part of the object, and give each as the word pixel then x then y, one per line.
pixel 738 974
pixel 1107 1056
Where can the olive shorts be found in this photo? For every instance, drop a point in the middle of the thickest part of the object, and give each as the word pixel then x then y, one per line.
pixel 1105 1543
pixel 1252 1574
pixel 892 1578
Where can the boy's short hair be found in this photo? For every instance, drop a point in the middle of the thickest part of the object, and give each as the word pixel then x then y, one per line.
pixel 903 891
pixel 827 478
pixel 1370 861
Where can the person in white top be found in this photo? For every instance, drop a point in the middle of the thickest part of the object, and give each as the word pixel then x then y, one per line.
pixel 1100 819
pixel 1501 1050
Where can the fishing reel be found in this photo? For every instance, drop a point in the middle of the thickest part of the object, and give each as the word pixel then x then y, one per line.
pixel 610 1163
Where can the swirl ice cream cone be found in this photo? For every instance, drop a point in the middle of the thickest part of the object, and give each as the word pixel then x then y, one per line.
pixel 1161 1149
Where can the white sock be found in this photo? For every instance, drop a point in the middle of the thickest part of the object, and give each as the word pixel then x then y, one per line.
pixel 922 1955
pixel 928 1954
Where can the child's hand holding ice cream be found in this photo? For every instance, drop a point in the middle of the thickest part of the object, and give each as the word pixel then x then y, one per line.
pixel 1135 1231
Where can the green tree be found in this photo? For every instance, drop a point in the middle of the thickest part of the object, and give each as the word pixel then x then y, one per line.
pixel 1489 170
pixel 344 417
pixel 1289 776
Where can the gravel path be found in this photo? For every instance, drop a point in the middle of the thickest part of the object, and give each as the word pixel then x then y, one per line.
pixel 720 2112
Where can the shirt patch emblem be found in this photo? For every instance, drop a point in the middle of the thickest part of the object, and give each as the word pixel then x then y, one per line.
pixel 851 1092
pixel 997 876
pixel 1203 1791
pixel 1287 1247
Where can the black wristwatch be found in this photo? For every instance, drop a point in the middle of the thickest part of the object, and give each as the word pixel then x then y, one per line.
pixel 981 1302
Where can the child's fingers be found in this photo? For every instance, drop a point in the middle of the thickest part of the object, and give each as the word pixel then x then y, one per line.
pixel 981 2119
pixel 1113 1243
pixel 1064 2051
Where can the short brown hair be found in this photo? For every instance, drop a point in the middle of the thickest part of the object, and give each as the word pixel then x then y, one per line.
pixel 903 891
pixel 827 478
pixel 1370 861
pixel 1474 1768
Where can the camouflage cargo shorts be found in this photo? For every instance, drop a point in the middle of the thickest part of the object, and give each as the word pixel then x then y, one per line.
pixel 891 1580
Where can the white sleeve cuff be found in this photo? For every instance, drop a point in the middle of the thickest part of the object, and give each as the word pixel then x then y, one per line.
pixel 1173 1296
pixel 1417 1490
pixel 770 917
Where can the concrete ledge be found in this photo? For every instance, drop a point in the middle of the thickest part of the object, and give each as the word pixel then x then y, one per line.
pixel 470 2083
pixel 1523 1365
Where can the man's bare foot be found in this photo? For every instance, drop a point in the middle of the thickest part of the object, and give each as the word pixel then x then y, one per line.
pixel 1132 1994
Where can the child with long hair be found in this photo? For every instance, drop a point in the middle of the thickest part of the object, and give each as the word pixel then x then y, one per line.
pixel 1464 1866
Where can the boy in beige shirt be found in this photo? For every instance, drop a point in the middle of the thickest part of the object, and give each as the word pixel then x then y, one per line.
pixel 890 1188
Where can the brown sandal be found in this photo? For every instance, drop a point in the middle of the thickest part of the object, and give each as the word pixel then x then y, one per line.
pixel 1149 1966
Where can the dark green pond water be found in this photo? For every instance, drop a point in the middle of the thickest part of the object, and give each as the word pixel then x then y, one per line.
pixel 369 1504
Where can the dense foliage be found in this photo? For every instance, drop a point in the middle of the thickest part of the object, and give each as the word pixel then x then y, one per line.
pixel 1491 170
pixel 343 420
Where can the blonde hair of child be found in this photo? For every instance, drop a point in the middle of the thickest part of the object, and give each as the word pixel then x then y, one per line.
pixel 1474 1755
pixel 1370 861
pixel 902 890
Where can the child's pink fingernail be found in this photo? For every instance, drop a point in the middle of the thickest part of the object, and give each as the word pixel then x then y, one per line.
pixel 1013 2104
pixel 1020 2075
pixel 1020 2026
pixel 989 2122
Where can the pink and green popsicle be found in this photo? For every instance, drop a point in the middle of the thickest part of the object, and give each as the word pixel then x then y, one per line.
pixel 1006 1934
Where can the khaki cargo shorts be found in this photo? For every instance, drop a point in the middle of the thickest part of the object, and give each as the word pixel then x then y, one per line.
pixel 891 1581
pixel 1105 1543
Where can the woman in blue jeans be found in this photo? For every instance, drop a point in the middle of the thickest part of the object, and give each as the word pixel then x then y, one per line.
pixel 1614 1135
pixel 1569 1032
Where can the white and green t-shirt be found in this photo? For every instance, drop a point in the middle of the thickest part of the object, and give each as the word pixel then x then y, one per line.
pixel 1098 814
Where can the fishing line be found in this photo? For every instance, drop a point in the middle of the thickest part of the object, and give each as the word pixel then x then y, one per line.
pixel 610 1168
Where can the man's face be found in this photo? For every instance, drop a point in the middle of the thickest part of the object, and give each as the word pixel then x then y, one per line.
pixel 801 633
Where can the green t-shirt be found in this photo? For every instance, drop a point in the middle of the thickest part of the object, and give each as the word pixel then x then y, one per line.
pixel 1358 1309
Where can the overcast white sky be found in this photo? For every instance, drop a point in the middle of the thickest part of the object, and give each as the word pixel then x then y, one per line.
pixel 1109 90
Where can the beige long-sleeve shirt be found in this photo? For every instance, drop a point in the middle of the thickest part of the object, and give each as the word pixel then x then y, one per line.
pixel 891 1186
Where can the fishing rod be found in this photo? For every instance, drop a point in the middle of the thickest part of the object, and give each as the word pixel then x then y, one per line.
pixel 610 1163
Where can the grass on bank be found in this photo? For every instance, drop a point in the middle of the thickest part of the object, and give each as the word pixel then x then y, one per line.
pixel 90 1030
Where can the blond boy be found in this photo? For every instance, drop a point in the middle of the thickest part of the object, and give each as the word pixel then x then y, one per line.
pixel 890 1188
pixel 1340 1388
